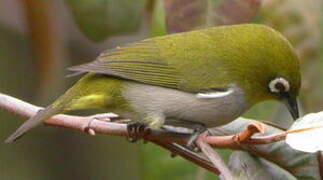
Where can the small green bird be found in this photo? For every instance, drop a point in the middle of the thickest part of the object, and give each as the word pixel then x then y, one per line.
pixel 208 77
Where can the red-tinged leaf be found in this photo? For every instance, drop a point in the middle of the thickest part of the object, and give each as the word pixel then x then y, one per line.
pixel 185 15
pixel 235 11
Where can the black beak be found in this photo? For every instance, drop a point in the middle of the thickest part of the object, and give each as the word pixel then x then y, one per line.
pixel 291 104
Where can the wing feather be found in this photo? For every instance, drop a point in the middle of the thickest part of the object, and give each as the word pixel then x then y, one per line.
pixel 140 62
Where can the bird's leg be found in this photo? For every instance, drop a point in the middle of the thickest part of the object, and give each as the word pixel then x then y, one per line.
pixel 198 129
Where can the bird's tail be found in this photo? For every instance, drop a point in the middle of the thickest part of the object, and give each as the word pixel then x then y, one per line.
pixel 84 94
pixel 33 122
pixel 55 108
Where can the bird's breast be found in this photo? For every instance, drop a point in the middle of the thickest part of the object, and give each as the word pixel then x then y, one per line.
pixel 174 104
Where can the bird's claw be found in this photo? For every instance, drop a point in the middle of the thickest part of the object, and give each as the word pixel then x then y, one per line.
pixel 106 117
pixel 191 144
pixel 137 131
pixel 89 130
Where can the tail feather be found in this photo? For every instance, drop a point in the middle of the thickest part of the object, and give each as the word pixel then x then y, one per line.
pixel 32 122
pixel 69 101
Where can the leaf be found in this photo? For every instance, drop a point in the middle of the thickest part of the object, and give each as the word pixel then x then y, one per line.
pixel 99 19
pixel 244 11
pixel 298 164
pixel 306 133
pixel 247 167
pixel 185 15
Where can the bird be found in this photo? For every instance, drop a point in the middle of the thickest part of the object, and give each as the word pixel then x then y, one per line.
pixel 203 78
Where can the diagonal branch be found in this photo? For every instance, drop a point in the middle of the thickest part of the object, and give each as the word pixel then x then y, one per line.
pixel 214 157
pixel 80 123
pixel 169 141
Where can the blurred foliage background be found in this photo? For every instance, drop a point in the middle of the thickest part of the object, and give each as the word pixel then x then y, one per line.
pixel 40 38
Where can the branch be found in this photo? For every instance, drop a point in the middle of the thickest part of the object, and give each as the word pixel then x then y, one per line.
pixel 214 157
pixel 244 138
pixel 170 141
pixel 163 139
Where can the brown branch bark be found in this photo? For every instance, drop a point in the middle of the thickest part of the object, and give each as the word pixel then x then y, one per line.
pixel 320 160
pixel 45 40
pixel 169 141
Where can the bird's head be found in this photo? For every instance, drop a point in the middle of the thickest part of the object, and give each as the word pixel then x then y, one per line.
pixel 281 87
pixel 272 71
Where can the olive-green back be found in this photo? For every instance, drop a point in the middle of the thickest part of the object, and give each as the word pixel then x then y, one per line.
pixel 248 55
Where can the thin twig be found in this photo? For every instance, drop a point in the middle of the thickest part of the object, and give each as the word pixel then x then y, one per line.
pixel 252 129
pixel 245 137
pixel 214 157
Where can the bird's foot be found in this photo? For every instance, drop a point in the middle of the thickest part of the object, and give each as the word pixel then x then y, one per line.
pixel 137 131
pixel 191 143
pixel 106 117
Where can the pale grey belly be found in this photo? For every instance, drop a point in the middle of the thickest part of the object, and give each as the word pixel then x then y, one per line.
pixel 177 105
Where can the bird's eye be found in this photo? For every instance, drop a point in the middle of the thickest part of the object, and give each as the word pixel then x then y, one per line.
pixel 279 85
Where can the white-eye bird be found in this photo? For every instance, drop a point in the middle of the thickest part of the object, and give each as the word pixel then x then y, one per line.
pixel 207 77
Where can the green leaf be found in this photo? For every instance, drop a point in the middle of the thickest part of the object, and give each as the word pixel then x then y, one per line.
pixel 99 19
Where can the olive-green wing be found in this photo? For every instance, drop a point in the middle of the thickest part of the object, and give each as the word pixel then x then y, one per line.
pixel 140 62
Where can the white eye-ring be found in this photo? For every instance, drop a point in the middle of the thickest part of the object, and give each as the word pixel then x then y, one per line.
pixel 279 85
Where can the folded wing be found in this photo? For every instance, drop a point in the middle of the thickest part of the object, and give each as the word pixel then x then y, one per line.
pixel 140 62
